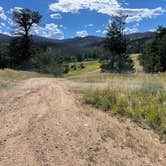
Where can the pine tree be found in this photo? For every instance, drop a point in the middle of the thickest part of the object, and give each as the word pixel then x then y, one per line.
pixel 4 59
pixel 115 57
pixel 153 58
pixel 20 46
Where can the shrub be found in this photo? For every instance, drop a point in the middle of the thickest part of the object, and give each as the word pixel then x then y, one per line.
pixel 66 69
pixel 82 66
pixel 74 67
pixel 45 62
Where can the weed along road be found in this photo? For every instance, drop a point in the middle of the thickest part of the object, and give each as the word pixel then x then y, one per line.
pixel 42 123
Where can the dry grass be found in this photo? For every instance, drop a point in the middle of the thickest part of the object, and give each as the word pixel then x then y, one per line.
pixel 9 77
pixel 146 106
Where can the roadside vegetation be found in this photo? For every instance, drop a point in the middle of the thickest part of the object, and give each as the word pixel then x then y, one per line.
pixel 10 77
pixel 146 105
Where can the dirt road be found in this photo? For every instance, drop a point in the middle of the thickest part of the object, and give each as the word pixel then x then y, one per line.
pixel 43 124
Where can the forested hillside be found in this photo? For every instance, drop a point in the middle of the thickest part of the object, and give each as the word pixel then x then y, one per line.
pixel 77 45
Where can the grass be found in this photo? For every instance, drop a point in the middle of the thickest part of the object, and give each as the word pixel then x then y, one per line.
pixel 9 77
pixel 146 106
pixel 118 81
pixel 138 96
pixel 90 66
pixel 137 66
pixel 121 81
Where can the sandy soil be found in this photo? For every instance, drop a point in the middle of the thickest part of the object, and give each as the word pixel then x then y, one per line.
pixel 42 123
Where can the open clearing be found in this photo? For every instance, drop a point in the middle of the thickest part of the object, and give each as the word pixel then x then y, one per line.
pixel 42 123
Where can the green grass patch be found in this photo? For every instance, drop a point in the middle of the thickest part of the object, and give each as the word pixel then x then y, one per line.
pixel 146 106
pixel 89 66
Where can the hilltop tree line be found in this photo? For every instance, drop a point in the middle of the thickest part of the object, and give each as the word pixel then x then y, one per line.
pixel 23 54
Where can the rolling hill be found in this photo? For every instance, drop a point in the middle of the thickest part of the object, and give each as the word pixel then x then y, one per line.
pixel 137 41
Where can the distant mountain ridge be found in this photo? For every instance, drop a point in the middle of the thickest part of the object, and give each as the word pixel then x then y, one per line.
pixel 136 42
pixel 4 39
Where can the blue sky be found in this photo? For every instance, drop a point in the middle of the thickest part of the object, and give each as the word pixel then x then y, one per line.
pixel 70 18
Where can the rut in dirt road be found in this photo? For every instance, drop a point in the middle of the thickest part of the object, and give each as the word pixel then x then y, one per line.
pixel 42 124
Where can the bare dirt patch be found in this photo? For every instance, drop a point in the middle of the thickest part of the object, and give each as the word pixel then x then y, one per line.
pixel 43 124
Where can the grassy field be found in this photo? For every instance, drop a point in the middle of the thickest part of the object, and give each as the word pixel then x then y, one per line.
pixel 138 96
pixel 9 77
pixel 89 66
pixel 121 81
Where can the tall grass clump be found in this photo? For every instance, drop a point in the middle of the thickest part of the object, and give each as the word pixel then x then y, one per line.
pixel 146 106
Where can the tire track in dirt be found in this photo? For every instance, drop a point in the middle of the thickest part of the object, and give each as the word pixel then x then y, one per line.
pixel 43 124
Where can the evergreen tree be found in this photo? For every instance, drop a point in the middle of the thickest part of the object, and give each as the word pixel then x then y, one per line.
pixel 115 57
pixel 20 46
pixel 153 58
pixel 4 58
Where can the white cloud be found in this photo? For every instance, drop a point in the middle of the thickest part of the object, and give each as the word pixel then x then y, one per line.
pixel 98 31
pixel 130 30
pixel 104 32
pixel 82 33
pixel 49 30
pixel 56 16
pixel 3 24
pixel 152 30
pixel 139 14
pixel 108 7
pixel 15 9
pixel 4 32
pixel 127 30
pixel 89 25
pixel 2 13
pixel 74 6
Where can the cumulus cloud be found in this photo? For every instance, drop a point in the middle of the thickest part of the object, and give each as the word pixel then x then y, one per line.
pixel 130 30
pixel 108 7
pixel 139 14
pixel 82 33
pixel 74 6
pixel 2 13
pixel 56 16
pixel 49 30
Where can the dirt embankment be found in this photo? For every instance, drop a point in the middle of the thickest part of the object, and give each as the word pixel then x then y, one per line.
pixel 42 124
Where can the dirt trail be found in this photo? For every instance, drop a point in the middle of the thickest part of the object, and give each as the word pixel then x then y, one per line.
pixel 42 124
